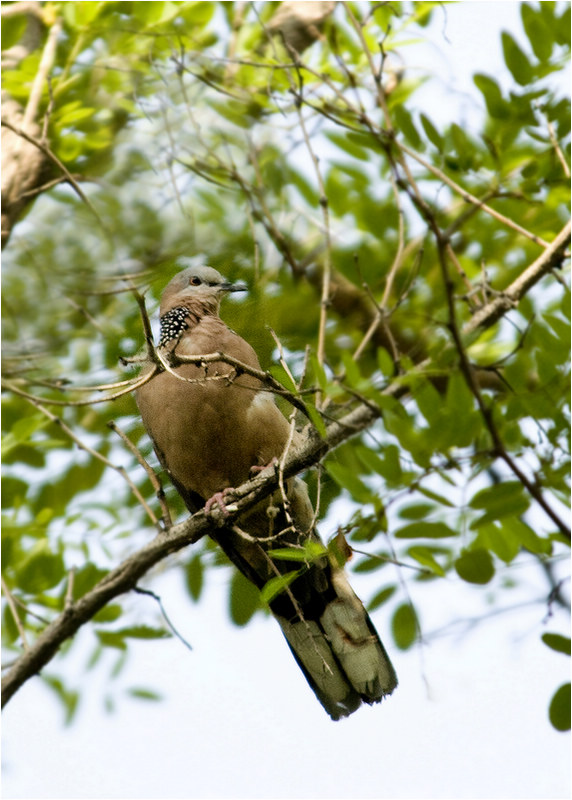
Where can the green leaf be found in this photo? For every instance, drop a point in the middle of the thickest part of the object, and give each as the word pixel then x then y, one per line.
pixel 425 557
pixel 563 26
pixel 489 88
pixel 429 401
pixel 144 632
pixel 500 500
pixel 344 142
pixel 72 114
pixel 516 60
pixel 385 363
pixel 108 613
pixel 416 510
pixel 349 480
pixel 438 498
pixel 368 564
pixel 404 123
pixel 310 551
pixel 403 428
pixel 464 147
pixel 276 586
pixel 244 599
pixel 389 466
pixel 561 644
pixel 86 578
pixel 538 32
pixel 420 530
pixel 111 639
pixel 501 539
pixel 150 12
pixel 381 597
pixel 198 13
pixel 475 566
pixel 69 698
pixel 194 576
pixel 559 710
pixel 404 626
pixel 144 694
pixel 319 372
pixel 529 539
pixel 432 133
pixel 317 419
pixel 13 29
pixel 353 375
pixel 460 406
pixel 22 432
pixel 14 491
pixel 41 569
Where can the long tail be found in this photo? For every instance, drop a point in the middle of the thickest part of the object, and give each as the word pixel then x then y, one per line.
pixel 328 629
pixel 340 652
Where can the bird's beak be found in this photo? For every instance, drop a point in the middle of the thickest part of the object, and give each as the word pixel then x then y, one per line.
pixel 233 287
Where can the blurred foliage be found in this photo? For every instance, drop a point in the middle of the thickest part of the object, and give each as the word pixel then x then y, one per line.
pixel 194 134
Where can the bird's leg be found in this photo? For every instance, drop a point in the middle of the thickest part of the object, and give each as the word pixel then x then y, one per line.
pixel 218 498
pixel 259 468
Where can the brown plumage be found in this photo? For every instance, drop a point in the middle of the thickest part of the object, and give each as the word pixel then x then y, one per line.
pixel 209 431
pixel 299 22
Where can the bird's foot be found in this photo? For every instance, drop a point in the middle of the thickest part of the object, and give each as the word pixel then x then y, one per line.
pixel 218 499
pixel 259 468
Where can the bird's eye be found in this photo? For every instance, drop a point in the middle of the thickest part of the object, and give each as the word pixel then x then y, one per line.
pixel 195 281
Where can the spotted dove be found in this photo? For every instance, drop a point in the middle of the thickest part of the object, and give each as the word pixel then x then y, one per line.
pixel 210 427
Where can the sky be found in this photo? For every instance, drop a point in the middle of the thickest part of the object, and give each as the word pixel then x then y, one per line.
pixel 468 720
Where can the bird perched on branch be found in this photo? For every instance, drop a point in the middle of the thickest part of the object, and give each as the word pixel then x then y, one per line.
pixel 211 425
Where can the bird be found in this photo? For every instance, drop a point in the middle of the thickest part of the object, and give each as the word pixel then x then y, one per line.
pixel 212 426
pixel 298 23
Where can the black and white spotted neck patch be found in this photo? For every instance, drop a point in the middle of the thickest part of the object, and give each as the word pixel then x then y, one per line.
pixel 173 324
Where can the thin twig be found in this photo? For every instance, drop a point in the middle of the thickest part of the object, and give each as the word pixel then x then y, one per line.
pixel 156 597
pixel 132 386
pixel 15 615
pixel 557 148
pixel 68 601
pixel 155 482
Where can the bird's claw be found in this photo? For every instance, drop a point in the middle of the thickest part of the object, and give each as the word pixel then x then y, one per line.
pixel 218 498
pixel 259 468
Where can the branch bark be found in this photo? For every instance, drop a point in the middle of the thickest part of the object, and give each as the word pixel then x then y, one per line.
pixel 24 166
